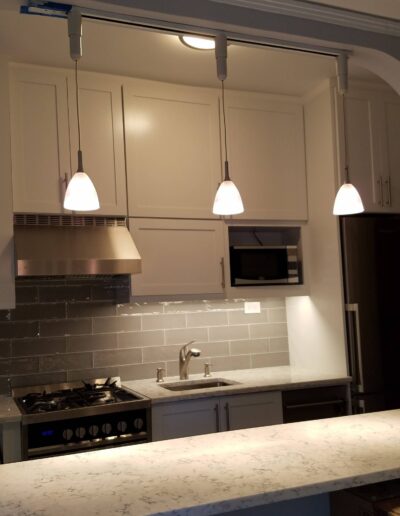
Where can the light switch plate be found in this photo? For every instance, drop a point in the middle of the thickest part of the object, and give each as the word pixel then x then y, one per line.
pixel 252 307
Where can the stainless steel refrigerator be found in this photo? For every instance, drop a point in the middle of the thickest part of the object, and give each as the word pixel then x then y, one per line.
pixel 371 270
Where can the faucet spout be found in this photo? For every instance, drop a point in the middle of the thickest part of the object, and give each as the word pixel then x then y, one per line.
pixel 185 354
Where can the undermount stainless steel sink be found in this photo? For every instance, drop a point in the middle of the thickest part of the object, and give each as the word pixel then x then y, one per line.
pixel 207 383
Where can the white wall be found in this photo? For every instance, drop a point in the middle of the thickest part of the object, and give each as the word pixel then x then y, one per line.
pixel 7 289
pixel 316 323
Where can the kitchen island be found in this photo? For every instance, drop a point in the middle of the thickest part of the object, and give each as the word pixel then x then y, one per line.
pixel 209 474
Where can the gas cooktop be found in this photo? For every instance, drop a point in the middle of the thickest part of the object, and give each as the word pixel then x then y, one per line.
pixel 70 417
pixel 87 394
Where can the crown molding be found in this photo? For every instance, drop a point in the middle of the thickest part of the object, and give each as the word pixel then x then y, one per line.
pixel 321 13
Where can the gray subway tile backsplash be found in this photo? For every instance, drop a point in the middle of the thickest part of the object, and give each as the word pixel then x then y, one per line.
pixel 117 357
pixel 184 335
pixel 116 324
pixel 79 328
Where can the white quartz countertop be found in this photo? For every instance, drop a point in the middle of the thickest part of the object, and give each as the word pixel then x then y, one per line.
pixel 247 380
pixel 9 411
pixel 209 474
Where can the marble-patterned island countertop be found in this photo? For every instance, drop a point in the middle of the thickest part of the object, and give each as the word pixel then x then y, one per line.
pixel 245 381
pixel 209 474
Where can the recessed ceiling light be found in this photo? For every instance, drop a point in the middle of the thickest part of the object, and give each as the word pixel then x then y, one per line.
pixel 198 42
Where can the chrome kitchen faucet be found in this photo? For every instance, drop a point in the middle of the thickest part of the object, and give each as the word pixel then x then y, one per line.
pixel 185 354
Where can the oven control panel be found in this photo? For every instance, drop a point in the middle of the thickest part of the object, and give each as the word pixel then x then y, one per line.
pixel 83 433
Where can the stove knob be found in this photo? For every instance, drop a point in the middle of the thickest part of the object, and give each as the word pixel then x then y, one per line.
pixel 122 426
pixel 138 423
pixel 80 432
pixel 93 430
pixel 67 434
pixel 106 428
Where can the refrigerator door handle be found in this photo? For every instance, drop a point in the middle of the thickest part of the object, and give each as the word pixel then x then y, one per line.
pixel 355 347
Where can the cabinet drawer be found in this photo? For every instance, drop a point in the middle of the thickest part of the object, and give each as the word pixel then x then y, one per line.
pixel 317 403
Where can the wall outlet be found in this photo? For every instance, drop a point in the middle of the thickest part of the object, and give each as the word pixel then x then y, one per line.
pixel 252 307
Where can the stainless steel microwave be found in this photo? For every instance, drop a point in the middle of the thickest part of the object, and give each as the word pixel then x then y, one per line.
pixel 264 265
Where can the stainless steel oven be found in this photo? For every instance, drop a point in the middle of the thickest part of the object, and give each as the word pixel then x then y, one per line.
pixel 79 416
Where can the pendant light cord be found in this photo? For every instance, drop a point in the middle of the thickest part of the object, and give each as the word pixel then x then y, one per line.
pixel 223 113
pixel 345 147
pixel 77 103
pixel 226 167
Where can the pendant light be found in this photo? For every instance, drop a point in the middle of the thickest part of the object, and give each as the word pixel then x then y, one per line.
pixel 227 199
pixel 348 200
pixel 81 194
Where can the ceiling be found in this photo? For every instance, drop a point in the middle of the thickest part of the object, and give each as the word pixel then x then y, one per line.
pixel 385 8
pixel 124 50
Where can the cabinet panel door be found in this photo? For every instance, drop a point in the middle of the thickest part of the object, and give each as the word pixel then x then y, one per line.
pixel 266 156
pixel 363 151
pixel 172 147
pixel 100 105
pixel 251 410
pixel 391 153
pixel 185 418
pixel 178 256
pixel 40 139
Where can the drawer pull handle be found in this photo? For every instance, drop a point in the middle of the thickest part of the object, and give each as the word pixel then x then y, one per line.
pixel 217 416
pixel 314 404
pixel 228 419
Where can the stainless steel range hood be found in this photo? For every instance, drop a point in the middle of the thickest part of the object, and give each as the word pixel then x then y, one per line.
pixel 58 250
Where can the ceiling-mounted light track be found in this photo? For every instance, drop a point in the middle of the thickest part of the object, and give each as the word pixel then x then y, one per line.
pixel 53 9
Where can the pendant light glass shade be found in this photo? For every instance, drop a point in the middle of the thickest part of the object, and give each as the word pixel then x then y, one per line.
pixel 227 199
pixel 81 194
pixel 347 201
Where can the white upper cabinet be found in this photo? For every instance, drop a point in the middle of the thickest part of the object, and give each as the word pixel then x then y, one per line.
pixel 45 141
pixel 372 130
pixel 39 137
pixel 266 155
pixel 100 105
pixel 178 257
pixel 172 149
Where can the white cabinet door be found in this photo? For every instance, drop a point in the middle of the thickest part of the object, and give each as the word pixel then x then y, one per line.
pixel 100 104
pixel 372 129
pixel 172 149
pixel 39 137
pixel 363 151
pixel 251 410
pixel 266 156
pixel 391 152
pixel 178 256
pixel 185 418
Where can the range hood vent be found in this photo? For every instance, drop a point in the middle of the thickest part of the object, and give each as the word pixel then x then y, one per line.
pixel 60 245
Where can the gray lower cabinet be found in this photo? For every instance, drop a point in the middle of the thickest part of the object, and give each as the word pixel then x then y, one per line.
pixel 218 414
pixel 10 442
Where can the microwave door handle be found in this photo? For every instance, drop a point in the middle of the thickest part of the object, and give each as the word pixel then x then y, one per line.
pixel 355 345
